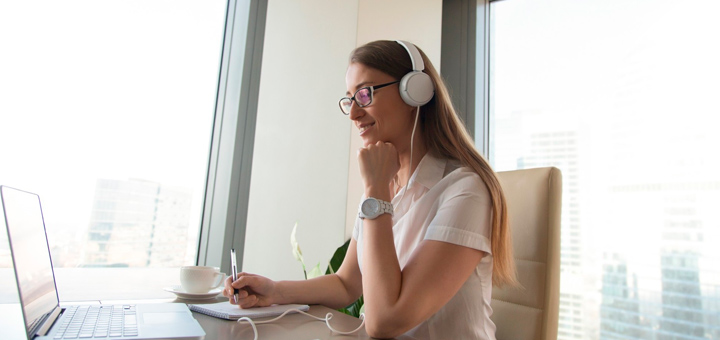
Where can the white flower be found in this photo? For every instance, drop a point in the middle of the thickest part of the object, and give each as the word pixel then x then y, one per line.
pixel 295 246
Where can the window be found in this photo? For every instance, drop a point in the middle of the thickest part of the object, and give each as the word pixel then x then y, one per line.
pixel 622 98
pixel 107 113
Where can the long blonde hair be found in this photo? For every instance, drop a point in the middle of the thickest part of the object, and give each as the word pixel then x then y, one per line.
pixel 445 135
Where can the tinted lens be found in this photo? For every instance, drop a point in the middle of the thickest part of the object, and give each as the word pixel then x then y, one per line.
pixel 363 96
pixel 345 104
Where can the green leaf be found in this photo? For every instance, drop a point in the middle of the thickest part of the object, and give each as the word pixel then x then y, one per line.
pixel 315 272
pixel 356 308
pixel 337 258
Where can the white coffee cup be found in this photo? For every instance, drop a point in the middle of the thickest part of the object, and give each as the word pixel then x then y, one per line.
pixel 200 279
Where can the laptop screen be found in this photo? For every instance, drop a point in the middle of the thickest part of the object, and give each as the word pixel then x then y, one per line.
pixel 30 253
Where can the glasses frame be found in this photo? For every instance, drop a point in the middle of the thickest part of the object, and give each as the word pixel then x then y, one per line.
pixel 371 88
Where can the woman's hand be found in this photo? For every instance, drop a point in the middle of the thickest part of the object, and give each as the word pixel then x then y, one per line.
pixel 379 163
pixel 253 290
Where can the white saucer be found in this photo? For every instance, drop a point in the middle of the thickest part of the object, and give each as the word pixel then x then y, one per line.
pixel 181 293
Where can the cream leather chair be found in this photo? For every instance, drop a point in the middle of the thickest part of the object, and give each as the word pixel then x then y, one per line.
pixel 534 201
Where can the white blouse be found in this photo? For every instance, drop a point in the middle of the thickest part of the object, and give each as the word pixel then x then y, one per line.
pixel 445 202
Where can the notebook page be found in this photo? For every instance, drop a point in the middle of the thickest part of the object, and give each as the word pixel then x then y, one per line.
pixel 225 310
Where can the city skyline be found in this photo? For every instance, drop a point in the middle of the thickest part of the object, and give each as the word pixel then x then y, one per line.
pixel 664 289
pixel 645 186
pixel 136 223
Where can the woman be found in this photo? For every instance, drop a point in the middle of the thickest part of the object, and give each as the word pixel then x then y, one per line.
pixel 431 237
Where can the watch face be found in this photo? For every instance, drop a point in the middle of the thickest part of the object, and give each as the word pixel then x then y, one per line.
pixel 370 207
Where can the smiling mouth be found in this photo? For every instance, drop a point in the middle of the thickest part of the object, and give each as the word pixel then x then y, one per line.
pixel 363 128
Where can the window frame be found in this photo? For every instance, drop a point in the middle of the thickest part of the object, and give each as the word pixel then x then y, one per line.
pixel 227 189
pixel 464 59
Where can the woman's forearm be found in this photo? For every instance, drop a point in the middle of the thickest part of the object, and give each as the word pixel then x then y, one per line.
pixel 382 278
pixel 328 290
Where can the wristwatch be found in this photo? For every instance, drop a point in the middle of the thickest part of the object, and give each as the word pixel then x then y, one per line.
pixel 372 207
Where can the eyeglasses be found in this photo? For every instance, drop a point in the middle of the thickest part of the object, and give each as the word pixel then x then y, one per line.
pixel 363 97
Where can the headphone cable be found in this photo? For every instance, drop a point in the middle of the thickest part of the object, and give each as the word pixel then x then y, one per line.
pixel 412 142
pixel 327 318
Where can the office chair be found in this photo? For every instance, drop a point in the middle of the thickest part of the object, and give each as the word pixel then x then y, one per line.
pixel 534 201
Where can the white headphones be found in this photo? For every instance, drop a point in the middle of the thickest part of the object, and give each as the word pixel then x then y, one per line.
pixel 416 87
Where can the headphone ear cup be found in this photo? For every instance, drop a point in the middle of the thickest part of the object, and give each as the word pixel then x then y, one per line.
pixel 416 88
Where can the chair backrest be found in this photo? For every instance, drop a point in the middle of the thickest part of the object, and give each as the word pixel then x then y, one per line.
pixel 534 201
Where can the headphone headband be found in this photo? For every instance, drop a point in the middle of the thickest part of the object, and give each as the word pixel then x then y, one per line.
pixel 415 57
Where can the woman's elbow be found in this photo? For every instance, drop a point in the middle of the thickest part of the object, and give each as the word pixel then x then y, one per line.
pixel 384 328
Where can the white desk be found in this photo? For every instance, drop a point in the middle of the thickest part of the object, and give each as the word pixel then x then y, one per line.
pixel 291 327
pixel 106 286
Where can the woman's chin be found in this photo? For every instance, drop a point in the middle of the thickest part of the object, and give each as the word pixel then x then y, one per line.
pixel 369 141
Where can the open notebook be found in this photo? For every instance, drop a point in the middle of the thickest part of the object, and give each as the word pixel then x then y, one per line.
pixel 225 310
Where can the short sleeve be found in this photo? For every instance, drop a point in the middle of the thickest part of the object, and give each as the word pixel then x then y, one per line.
pixel 464 216
pixel 356 229
pixel 358 222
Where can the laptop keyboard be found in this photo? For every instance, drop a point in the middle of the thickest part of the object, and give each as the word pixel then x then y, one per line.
pixel 107 321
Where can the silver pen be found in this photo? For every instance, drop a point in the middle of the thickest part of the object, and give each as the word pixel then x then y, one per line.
pixel 234 272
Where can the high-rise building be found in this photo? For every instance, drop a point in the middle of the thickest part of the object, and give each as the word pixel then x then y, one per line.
pixel 620 309
pixel 682 314
pixel 674 296
pixel 682 307
pixel 137 223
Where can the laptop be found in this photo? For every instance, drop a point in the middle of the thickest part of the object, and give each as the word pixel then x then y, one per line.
pixel 43 316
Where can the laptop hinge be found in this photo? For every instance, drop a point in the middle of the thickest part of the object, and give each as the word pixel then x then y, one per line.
pixel 49 321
